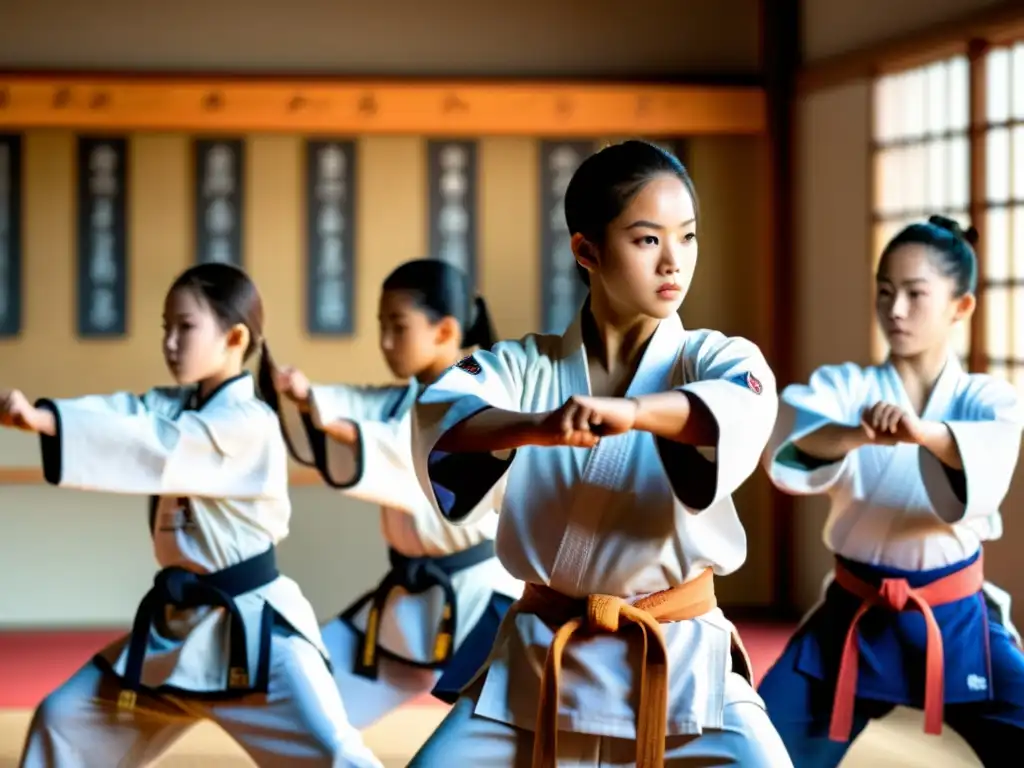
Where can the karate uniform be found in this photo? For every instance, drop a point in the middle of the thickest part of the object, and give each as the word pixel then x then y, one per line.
pixel 222 635
pixel 902 522
pixel 631 516
pixel 433 618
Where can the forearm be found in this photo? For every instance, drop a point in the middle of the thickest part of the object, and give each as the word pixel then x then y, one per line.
pixel 938 440
pixel 45 422
pixel 343 431
pixel 491 430
pixel 676 416
pixel 832 442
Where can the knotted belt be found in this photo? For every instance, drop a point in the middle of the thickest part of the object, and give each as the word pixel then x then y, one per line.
pixel 897 595
pixel 184 589
pixel 608 614
pixel 416 575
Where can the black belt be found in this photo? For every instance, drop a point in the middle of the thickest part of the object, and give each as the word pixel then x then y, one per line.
pixel 184 589
pixel 416 575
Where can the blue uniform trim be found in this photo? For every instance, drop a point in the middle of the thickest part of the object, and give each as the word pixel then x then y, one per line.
pixel 461 480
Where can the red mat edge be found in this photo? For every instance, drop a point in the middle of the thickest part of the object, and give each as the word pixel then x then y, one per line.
pixel 35 662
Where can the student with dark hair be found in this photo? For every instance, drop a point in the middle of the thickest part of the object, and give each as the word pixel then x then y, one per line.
pixel 431 621
pixel 916 456
pixel 615 449
pixel 222 635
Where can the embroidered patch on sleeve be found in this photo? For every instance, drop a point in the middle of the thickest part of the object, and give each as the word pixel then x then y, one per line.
pixel 469 365
pixel 748 380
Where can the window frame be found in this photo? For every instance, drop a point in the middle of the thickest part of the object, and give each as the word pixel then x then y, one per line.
pixel 1011 363
pixel 977 51
pixel 926 138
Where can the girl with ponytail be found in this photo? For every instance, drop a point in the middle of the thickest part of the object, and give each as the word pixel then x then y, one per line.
pixel 221 635
pixel 430 623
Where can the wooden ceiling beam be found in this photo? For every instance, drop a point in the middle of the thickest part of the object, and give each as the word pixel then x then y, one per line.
pixel 345 107
pixel 993 24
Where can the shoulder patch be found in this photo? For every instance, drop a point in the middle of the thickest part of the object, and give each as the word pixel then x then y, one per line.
pixel 469 365
pixel 748 380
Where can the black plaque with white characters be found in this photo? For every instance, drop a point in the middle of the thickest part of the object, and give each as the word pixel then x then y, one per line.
pixel 330 237
pixel 562 291
pixel 10 235
pixel 219 199
pixel 451 175
pixel 102 237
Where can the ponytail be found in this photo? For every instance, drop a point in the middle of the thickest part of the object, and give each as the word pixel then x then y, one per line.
pixel 443 290
pixel 481 332
pixel 265 378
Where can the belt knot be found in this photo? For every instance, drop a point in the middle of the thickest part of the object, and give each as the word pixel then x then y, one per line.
pixel 894 594
pixel 604 612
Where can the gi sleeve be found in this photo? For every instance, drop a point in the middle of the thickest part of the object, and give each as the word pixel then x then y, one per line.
pixel 730 379
pixel 458 483
pixel 833 396
pixel 987 436
pixel 116 445
pixel 377 468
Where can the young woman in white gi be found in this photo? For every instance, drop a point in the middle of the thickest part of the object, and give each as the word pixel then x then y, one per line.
pixel 616 447
pixel 221 635
pixel 432 620
pixel 916 456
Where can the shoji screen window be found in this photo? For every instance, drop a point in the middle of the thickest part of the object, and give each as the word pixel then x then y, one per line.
pixel 921 154
pixel 1003 234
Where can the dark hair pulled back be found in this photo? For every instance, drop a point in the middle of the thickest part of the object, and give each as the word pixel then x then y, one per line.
pixel 952 249
pixel 442 290
pixel 234 299
pixel 607 181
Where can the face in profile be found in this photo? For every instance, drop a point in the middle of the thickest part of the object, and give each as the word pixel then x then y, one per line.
pixel 647 260
pixel 408 337
pixel 916 304
pixel 196 346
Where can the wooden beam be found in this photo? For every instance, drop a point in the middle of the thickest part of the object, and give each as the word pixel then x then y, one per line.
pixel 977 57
pixel 780 31
pixel 297 476
pixel 993 24
pixel 340 107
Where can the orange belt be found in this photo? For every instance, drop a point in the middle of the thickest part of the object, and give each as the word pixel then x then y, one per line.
pixel 605 613
pixel 897 595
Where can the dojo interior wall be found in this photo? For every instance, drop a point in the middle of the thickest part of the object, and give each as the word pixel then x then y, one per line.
pixel 51 537
pixel 75 560
pixel 833 243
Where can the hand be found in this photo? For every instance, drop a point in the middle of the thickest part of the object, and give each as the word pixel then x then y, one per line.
pixel 583 421
pixel 888 424
pixel 17 412
pixel 292 383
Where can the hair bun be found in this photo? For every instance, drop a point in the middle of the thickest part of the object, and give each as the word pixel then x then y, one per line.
pixel 970 235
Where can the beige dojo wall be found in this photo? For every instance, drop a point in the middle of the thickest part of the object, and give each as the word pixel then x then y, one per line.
pixel 83 559
pixel 834 280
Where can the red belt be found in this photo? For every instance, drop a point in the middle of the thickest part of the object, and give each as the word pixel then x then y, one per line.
pixel 897 595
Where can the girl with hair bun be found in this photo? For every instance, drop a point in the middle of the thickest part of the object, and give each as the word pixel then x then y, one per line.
pixel 916 456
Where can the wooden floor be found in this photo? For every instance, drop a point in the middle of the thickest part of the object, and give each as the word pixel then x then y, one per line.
pixel 896 742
